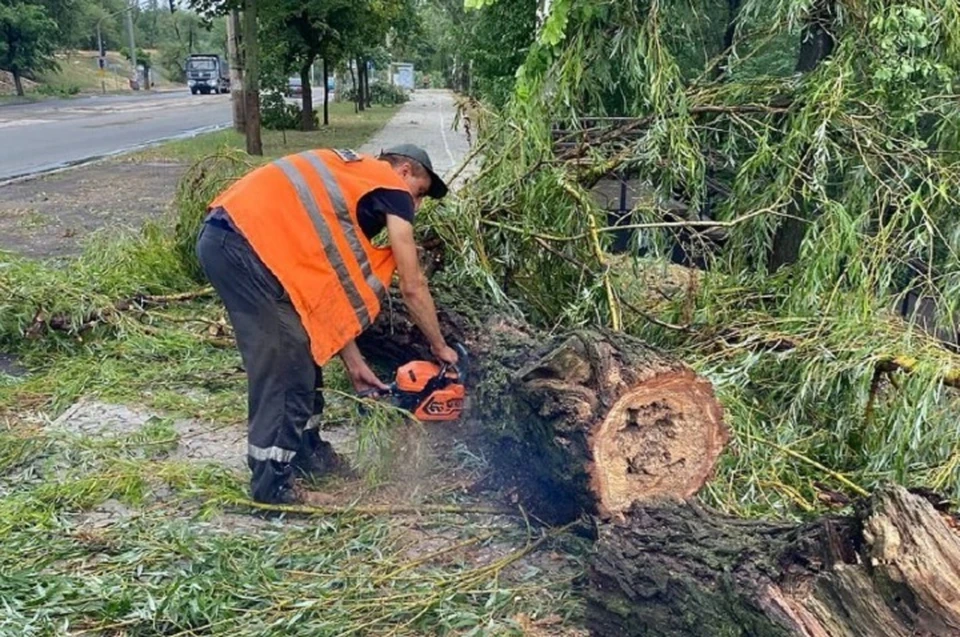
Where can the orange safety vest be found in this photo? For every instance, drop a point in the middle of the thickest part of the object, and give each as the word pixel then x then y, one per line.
pixel 299 214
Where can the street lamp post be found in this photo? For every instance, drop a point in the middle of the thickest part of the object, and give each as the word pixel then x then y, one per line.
pixel 101 62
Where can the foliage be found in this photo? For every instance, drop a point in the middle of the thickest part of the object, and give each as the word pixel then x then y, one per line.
pixel 381 93
pixel 204 180
pixel 862 150
pixel 27 40
pixel 478 51
pixel 278 114
pixel 143 58
pixel 58 91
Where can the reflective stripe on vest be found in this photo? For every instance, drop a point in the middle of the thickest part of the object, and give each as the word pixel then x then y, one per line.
pixel 330 248
pixel 346 223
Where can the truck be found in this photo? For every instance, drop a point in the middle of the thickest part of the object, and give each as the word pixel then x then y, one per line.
pixel 207 73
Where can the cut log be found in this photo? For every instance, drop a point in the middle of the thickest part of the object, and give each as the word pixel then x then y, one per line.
pixel 582 422
pixel 890 570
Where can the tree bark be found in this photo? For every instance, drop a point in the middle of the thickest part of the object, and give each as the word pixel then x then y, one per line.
pixel 582 422
pixel 237 94
pixel 251 78
pixel 366 85
pixel 733 12
pixel 816 45
pixel 890 570
pixel 326 93
pixel 17 82
pixel 361 98
pixel 356 90
pixel 306 110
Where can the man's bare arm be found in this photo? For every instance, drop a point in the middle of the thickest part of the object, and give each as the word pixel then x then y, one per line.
pixel 413 287
pixel 359 372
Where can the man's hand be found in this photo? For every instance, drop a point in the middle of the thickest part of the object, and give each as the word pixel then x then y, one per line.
pixel 446 354
pixel 359 372
pixel 364 379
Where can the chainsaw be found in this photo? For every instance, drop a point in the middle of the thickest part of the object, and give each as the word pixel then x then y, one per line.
pixel 429 391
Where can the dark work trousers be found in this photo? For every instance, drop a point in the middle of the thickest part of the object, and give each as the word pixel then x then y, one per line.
pixel 282 379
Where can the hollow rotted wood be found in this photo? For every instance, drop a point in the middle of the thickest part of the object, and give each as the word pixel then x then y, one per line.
pixel 581 422
pixel 890 570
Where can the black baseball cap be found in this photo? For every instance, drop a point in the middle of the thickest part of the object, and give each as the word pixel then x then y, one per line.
pixel 438 189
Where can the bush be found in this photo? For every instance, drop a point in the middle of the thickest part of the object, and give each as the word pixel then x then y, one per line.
pixel 277 114
pixel 203 182
pixel 381 94
pixel 58 91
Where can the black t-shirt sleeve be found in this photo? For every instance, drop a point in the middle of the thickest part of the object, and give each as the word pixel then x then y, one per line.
pixel 373 208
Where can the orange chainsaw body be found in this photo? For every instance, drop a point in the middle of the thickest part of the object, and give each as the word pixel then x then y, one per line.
pixel 434 393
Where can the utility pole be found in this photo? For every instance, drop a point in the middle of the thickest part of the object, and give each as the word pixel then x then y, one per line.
pixel 101 59
pixel 235 60
pixel 251 78
pixel 133 46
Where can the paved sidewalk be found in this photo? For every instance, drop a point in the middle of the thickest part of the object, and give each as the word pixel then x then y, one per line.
pixel 426 120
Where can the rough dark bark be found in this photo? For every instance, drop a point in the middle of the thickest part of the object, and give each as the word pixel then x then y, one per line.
pixel 251 78
pixel 733 12
pixel 306 110
pixel 817 41
pixel 237 94
pixel 890 570
pixel 356 89
pixel 366 85
pixel 816 45
pixel 361 98
pixel 17 82
pixel 582 422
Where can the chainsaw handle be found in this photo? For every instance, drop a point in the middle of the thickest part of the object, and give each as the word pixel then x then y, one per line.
pixel 459 368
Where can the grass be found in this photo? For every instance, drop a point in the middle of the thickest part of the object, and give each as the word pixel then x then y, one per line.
pixel 347 130
pixel 111 537
pixel 119 534
pixel 78 73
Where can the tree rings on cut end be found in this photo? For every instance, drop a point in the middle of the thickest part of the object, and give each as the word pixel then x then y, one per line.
pixel 661 439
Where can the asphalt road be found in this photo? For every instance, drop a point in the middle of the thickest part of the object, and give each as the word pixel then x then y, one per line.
pixel 44 136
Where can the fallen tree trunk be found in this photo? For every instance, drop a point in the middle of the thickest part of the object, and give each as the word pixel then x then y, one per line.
pixel 891 570
pixel 582 422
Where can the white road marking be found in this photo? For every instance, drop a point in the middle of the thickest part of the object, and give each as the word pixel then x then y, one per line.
pixel 443 136
pixel 22 122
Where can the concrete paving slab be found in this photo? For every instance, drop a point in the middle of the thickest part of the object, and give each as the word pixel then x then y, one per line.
pixel 426 120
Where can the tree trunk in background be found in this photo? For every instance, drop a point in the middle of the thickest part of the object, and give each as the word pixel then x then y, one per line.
pixel 582 422
pixel 306 111
pixel 361 98
pixel 326 93
pixel 356 90
pixel 251 77
pixel 890 570
pixel 816 45
pixel 237 95
pixel 733 11
pixel 16 82
pixel 366 85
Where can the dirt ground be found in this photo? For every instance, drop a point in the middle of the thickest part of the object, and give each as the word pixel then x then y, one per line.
pixel 52 216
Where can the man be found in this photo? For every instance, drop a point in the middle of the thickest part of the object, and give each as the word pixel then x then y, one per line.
pixel 287 248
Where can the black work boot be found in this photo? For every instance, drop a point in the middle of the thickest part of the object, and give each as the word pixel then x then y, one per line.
pixel 317 459
pixel 271 482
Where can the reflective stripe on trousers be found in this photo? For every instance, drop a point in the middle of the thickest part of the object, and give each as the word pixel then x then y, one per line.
pixel 270 453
